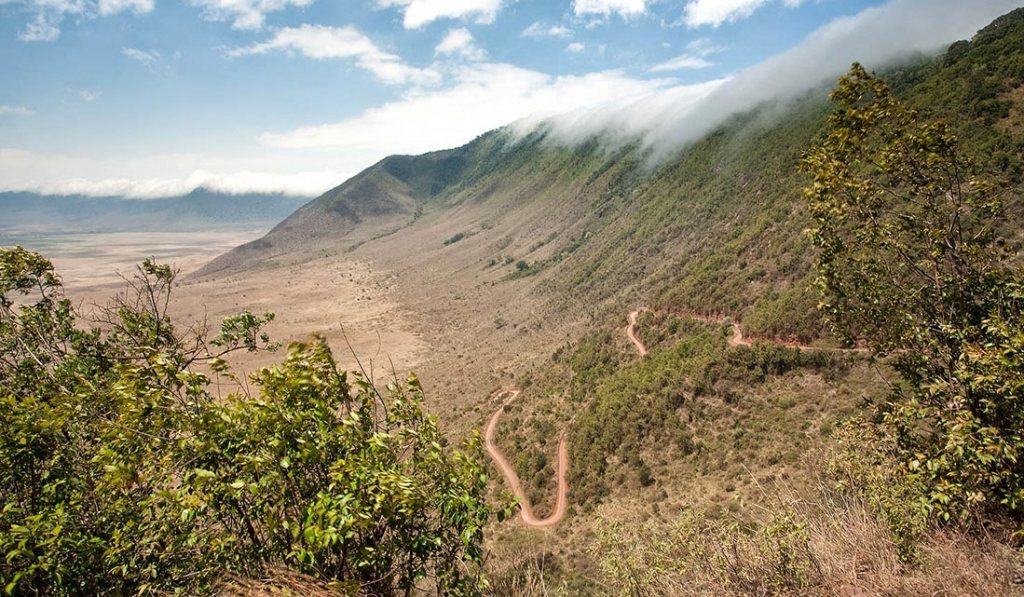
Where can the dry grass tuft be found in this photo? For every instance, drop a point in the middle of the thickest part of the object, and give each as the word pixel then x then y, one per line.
pixel 277 582
pixel 857 556
pixel 523 573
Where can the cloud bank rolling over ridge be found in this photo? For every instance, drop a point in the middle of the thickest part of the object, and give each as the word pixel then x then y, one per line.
pixel 667 120
pixel 620 109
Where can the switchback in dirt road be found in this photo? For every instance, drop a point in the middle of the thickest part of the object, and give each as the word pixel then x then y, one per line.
pixel 530 519
pixel 562 493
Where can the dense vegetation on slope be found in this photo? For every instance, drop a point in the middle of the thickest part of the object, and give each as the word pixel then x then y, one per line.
pixel 121 472
pixel 720 229
pixel 930 228
pixel 729 210
pixel 696 422
pixel 910 260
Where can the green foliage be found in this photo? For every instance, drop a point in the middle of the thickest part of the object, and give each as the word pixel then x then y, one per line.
pixel 791 315
pixel 973 87
pixel 898 501
pixel 903 225
pixel 909 261
pixel 660 400
pixel 121 473
pixel 664 330
pixel 455 238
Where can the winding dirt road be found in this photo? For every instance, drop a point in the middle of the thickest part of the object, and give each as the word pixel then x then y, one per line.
pixel 562 495
pixel 562 492
pixel 509 472
pixel 631 332
pixel 737 338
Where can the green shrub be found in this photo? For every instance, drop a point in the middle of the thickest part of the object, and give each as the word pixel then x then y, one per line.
pixel 455 238
pixel 120 471
pixel 911 262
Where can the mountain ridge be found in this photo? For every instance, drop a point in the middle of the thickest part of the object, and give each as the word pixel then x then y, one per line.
pixel 200 209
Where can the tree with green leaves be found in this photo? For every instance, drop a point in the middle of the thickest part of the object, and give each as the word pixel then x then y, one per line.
pixel 121 472
pixel 910 263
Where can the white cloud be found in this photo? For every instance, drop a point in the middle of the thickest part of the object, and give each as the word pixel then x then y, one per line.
pixel 877 37
pixel 695 57
pixel 323 43
pixel 42 28
pixel 147 58
pixel 244 14
pixel 538 30
pixel 576 47
pixel 485 96
pixel 418 13
pixel 89 96
pixel 682 62
pixel 109 7
pixel 717 12
pixel 161 175
pixel 14 111
pixel 604 8
pixel 460 42
pixel 47 15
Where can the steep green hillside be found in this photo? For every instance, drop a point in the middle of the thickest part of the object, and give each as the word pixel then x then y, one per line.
pixel 721 232
pixel 708 459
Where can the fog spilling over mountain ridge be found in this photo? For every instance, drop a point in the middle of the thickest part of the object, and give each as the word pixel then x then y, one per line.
pixel 666 121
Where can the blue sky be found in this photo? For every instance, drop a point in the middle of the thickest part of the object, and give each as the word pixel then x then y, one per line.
pixel 153 97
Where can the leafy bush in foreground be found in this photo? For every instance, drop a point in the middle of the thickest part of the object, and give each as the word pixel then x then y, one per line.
pixel 911 262
pixel 121 473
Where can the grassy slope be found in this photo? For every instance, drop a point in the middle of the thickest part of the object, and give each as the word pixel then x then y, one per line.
pixel 741 187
